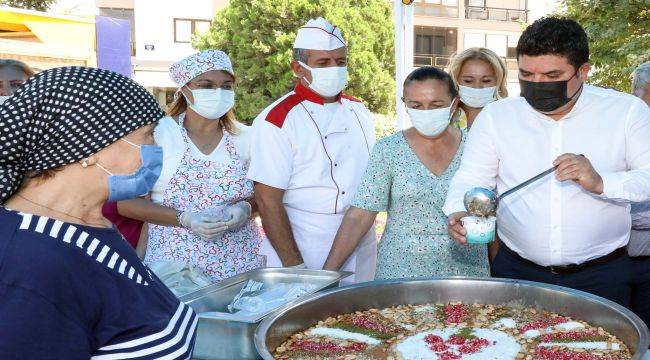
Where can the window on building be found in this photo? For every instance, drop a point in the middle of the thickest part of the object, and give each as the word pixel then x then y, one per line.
pixel 499 10
pixel 434 46
pixel 503 45
pixel 512 46
pixel 185 28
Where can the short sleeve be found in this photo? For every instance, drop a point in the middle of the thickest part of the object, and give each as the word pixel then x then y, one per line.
pixel 168 136
pixel 373 193
pixel 242 141
pixel 33 328
pixel 271 154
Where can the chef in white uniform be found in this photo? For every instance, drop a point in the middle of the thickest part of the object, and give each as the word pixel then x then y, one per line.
pixel 309 150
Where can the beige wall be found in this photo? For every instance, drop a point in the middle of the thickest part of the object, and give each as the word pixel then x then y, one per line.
pixel 506 4
pixel 116 4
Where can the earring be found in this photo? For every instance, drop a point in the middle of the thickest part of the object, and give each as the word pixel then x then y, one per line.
pixel 84 164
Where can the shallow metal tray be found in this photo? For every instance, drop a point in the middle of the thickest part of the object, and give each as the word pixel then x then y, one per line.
pixel 276 329
pixel 222 335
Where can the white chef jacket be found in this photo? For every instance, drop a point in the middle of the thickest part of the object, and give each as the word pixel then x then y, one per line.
pixel 551 222
pixel 318 159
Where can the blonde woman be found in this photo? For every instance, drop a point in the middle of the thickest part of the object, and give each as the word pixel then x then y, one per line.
pixel 480 76
pixel 200 208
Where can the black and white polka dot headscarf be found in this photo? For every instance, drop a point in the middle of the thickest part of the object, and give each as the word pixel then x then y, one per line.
pixel 64 115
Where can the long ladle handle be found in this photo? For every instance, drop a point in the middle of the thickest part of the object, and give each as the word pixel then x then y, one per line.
pixel 528 182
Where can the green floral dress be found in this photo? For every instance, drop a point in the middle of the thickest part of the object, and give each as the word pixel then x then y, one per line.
pixel 415 242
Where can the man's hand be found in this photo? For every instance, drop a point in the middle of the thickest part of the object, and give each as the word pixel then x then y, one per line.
pixel 578 168
pixel 456 229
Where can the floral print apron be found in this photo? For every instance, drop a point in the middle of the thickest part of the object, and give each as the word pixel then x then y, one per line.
pixel 201 184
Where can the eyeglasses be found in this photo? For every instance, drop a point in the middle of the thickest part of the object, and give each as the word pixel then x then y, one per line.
pixel 209 85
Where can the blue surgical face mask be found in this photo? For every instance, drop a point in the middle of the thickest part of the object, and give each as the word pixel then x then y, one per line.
pixel 124 187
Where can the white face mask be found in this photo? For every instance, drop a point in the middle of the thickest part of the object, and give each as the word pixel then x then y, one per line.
pixel 477 98
pixel 430 122
pixel 211 103
pixel 3 99
pixel 329 81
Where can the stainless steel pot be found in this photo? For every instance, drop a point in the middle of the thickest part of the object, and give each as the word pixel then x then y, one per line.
pixel 276 329
pixel 225 336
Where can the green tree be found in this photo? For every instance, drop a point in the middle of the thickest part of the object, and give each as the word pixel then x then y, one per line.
pixel 258 35
pixel 41 5
pixel 619 37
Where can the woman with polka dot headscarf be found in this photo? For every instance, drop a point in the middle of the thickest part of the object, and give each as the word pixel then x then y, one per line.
pixel 70 286
pixel 199 215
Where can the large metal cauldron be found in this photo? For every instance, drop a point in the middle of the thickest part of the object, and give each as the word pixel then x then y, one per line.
pixel 614 318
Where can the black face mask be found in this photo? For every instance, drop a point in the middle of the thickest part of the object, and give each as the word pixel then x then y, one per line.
pixel 546 96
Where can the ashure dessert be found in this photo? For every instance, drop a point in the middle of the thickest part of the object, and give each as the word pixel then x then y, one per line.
pixel 451 332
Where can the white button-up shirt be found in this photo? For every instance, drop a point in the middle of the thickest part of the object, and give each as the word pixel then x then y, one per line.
pixel 551 222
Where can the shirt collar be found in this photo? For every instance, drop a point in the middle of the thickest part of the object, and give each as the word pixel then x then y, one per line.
pixel 308 94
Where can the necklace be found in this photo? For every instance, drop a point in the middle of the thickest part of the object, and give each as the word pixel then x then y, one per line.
pixel 61 212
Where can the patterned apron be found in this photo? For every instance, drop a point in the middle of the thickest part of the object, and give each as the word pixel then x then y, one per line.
pixel 200 184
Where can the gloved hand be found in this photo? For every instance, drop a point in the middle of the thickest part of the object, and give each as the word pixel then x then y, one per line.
pixel 238 215
pixel 202 223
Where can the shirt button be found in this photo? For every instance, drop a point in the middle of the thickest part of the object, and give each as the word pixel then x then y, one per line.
pixel 335 164
pixel 343 192
pixel 325 136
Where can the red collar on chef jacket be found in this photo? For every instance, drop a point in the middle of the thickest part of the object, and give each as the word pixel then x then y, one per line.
pixel 308 94
pixel 278 114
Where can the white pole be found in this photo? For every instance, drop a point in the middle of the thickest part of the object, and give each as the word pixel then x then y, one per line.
pixel 403 15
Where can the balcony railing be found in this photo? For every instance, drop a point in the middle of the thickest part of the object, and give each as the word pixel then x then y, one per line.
pixel 440 61
pixel 499 14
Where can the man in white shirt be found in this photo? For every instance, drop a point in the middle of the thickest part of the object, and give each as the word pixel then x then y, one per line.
pixel 308 152
pixel 569 229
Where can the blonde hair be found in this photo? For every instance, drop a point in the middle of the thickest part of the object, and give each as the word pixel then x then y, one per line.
pixel 179 105
pixel 28 71
pixel 487 55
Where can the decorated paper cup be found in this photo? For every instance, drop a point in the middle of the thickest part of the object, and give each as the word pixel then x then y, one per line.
pixel 480 230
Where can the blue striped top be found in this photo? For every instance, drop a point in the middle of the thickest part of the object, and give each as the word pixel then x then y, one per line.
pixel 69 291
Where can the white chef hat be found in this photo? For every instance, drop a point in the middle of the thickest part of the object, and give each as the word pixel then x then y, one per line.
pixel 319 34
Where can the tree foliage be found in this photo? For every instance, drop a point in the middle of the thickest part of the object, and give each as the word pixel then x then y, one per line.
pixel 258 36
pixel 40 5
pixel 619 37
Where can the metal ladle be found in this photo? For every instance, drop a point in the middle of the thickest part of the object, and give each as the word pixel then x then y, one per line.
pixel 484 202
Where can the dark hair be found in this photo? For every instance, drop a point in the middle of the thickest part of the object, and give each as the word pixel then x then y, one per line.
pixel 431 72
pixel 555 36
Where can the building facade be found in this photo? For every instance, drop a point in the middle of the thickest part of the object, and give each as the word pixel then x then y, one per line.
pixel 45 40
pixel 443 28
pixel 161 34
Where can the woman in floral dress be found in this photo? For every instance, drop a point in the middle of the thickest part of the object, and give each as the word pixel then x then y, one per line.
pixel 408 176
pixel 200 208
